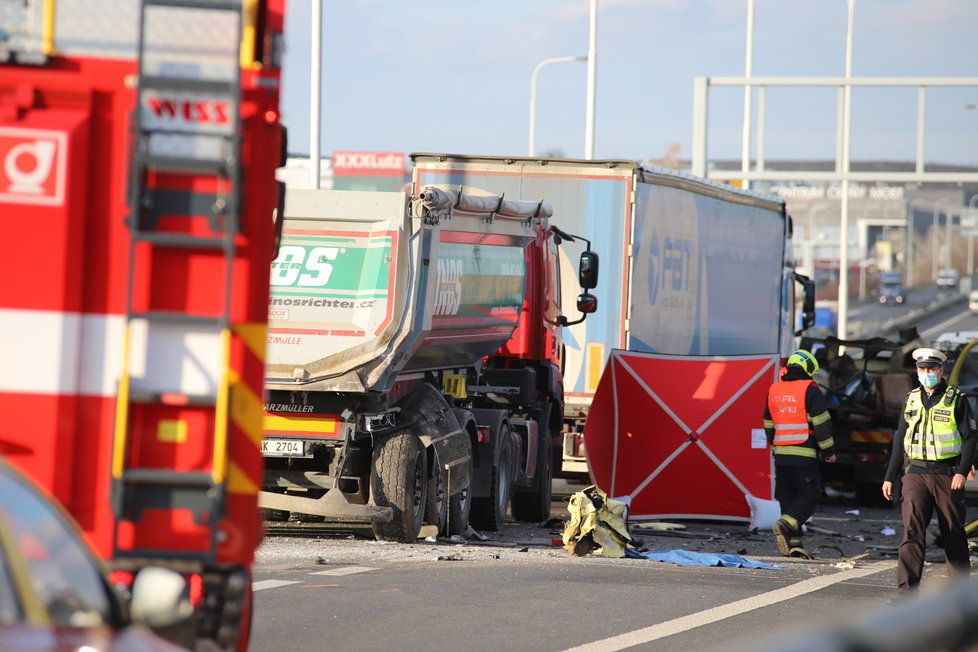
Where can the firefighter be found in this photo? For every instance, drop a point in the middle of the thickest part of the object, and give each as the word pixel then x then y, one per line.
pixel 798 427
pixel 936 442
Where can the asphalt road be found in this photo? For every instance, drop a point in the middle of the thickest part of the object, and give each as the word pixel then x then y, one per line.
pixel 521 593
pixel 866 318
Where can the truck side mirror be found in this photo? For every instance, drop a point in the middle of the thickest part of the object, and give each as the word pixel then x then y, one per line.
pixel 587 303
pixel 588 271
pixel 807 302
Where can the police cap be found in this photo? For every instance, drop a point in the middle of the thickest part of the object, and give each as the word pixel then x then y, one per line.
pixel 927 357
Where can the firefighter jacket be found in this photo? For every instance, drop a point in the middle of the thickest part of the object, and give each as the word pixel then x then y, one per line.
pixel 936 434
pixel 796 420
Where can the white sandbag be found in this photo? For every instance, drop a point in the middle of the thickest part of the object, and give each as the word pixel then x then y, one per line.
pixel 763 513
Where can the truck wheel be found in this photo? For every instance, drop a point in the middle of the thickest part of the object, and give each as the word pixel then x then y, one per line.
pixel 398 479
pixel 436 511
pixel 488 513
pixel 460 504
pixel 534 504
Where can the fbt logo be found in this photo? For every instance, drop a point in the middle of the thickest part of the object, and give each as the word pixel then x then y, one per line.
pixel 32 166
pixel 670 267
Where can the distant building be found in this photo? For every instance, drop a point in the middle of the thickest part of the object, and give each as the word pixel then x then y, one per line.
pixel 350 171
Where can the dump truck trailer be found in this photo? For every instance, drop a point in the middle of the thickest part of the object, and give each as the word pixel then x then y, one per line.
pixel 413 374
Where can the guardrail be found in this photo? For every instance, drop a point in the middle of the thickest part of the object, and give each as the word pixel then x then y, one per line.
pixel 889 326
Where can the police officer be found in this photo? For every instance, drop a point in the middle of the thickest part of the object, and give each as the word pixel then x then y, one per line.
pixel 936 441
pixel 798 427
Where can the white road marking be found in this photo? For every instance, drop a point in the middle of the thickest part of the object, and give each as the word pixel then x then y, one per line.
pixel 271 584
pixel 684 623
pixel 345 570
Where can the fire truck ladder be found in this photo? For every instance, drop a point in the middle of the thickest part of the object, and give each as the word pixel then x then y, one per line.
pixel 211 156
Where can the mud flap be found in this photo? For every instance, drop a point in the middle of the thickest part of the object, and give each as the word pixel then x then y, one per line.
pixel 333 506
pixel 434 423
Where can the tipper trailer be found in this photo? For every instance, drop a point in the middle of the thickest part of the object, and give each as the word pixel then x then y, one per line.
pixel 413 359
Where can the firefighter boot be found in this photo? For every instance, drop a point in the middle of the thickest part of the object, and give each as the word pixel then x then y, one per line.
pixel 783 533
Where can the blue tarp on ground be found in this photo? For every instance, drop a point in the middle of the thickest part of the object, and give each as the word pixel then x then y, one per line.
pixel 690 558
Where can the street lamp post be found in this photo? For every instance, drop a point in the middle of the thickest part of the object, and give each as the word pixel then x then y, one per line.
pixel 316 93
pixel 843 321
pixel 592 80
pixel 748 71
pixel 971 237
pixel 533 95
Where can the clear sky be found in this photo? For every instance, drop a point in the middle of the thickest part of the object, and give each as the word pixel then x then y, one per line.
pixel 453 75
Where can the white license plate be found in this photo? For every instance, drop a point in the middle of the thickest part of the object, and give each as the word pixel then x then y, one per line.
pixel 283 448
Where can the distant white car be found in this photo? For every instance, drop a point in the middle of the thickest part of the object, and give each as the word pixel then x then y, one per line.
pixel 973 301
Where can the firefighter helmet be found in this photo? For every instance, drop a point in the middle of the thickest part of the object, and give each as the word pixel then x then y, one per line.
pixel 805 360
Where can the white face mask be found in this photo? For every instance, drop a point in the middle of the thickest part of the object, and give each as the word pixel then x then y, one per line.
pixel 928 379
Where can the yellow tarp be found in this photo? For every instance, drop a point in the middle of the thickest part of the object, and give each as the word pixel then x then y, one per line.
pixel 597 524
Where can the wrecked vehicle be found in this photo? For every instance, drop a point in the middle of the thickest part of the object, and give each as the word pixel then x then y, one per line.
pixel 866 383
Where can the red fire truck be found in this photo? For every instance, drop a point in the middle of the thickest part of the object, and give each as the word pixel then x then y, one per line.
pixel 138 143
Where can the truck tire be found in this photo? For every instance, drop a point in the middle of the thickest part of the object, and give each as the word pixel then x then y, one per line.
pixel 460 504
pixel 436 510
pixel 534 504
pixel 399 479
pixel 488 513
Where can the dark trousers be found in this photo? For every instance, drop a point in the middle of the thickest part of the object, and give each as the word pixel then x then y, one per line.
pixel 797 488
pixel 920 494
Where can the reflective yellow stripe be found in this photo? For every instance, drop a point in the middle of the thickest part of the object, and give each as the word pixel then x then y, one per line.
pixel 800 451
pixel 819 419
pixel 827 443
pixel 768 424
pixel 790 520
pixel 221 412
pixel 273 423
pixel 790 439
pixel 122 409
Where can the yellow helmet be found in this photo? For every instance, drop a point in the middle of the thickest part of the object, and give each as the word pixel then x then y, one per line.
pixel 805 360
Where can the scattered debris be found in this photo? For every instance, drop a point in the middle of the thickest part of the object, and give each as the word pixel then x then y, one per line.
pixel 844 565
pixel 742 551
pixel 800 553
pixel 552 522
pixel 888 532
pixel 659 526
pixel 471 535
pixel 427 532
pixel 456 556
pixel 854 512
pixel 829 547
pixel 526 549
pixel 322 561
